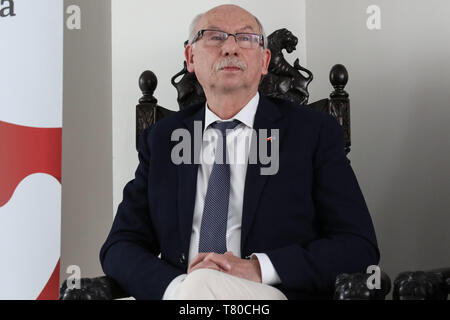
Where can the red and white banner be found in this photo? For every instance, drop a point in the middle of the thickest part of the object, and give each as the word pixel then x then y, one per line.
pixel 31 55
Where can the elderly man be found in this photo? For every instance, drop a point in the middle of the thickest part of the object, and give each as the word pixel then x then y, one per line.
pixel 225 230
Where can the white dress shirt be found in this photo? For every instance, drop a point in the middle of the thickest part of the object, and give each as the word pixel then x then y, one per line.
pixel 238 144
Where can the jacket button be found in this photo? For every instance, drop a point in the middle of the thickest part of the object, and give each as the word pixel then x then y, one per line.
pixel 182 259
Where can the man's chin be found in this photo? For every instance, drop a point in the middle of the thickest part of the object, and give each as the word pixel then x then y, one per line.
pixel 230 84
pixel 229 88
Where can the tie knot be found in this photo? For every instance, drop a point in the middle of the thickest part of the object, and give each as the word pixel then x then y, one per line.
pixel 224 125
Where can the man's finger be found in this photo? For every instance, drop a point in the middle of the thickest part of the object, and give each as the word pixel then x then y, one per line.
pixel 220 259
pixel 199 258
pixel 205 264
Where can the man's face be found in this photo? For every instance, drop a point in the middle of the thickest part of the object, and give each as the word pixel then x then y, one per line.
pixel 216 67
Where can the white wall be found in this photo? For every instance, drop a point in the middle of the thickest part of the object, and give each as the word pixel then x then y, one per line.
pixel 399 81
pixel 150 35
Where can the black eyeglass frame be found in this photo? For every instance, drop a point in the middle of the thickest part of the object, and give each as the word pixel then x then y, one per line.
pixel 200 34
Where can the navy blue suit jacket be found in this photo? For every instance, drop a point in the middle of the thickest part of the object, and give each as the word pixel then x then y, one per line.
pixel 310 218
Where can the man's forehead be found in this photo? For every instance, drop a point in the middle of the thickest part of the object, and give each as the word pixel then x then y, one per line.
pixel 230 18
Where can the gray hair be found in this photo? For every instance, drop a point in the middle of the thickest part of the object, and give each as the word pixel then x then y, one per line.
pixel 261 28
pixel 195 21
pixel 193 27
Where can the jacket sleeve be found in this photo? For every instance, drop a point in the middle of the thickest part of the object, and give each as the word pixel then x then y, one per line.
pixel 130 253
pixel 347 241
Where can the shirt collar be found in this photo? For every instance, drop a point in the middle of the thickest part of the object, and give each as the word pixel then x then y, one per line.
pixel 246 115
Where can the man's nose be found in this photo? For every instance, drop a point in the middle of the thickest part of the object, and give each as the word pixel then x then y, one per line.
pixel 230 46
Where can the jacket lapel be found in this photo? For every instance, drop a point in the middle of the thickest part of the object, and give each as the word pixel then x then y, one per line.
pixel 187 184
pixel 266 117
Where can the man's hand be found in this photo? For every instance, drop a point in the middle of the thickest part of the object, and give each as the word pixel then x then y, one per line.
pixel 228 263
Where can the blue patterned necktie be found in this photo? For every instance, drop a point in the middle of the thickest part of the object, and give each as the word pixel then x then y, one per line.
pixel 213 230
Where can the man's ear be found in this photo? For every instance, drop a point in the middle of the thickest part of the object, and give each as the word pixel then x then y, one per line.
pixel 188 55
pixel 266 60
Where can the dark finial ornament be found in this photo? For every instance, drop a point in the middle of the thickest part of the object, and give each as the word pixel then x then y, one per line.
pixel 339 79
pixel 147 84
pixel 339 103
pixel 148 111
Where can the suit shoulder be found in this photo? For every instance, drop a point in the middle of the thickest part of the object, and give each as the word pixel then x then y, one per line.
pixel 173 121
pixel 300 113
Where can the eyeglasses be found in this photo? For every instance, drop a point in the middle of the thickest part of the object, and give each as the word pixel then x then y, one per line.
pixel 216 38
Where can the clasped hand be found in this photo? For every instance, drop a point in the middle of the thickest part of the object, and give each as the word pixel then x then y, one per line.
pixel 243 268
